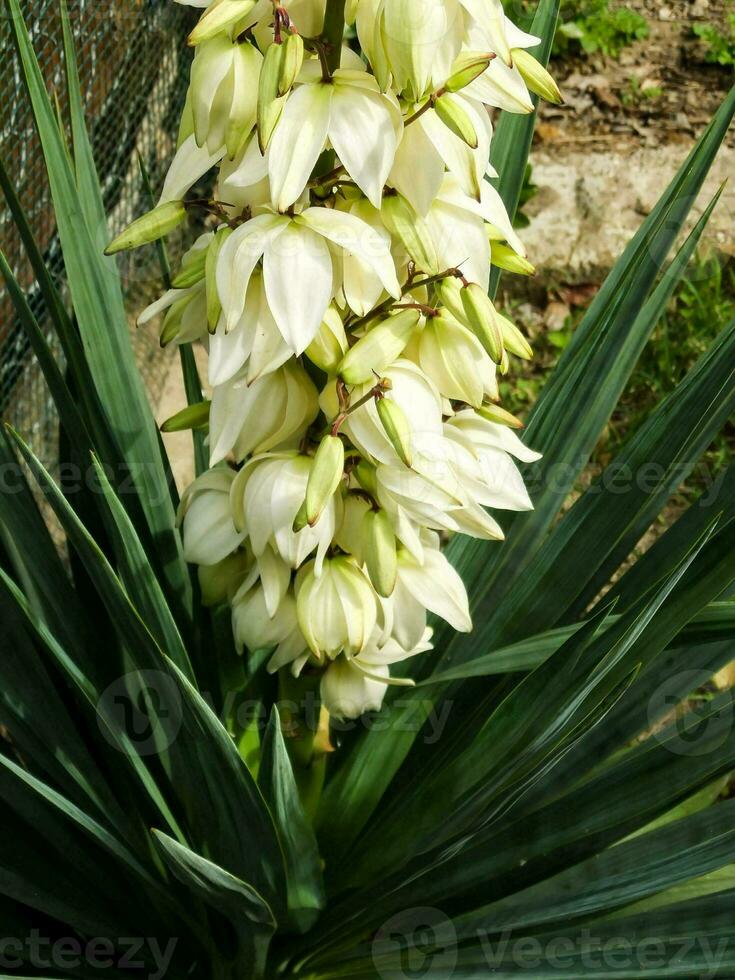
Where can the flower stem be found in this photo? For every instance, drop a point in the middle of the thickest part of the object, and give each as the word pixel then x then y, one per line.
pixel 333 32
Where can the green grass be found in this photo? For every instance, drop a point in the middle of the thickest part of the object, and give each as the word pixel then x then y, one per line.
pixel 719 43
pixel 597 25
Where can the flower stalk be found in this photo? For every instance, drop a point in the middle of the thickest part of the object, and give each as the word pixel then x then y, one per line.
pixel 354 354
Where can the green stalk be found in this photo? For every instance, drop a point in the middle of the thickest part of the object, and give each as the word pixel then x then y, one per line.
pixel 298 707
pixel 333 32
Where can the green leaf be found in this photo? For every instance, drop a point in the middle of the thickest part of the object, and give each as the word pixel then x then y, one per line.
pixel 138 576
pixel 606 523
pixel 303 863
pixel 582 391
pixel 242 906
pixel 98 304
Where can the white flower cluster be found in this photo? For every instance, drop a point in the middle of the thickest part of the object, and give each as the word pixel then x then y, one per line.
pixel 341 292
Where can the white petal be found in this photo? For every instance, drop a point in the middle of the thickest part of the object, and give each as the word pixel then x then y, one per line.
pixel 298 283
pixel 239 256
pixel 298 140
pixel 438 586
pixel 417 170
pixel 190 163
pixel 365 129
pixel 357 237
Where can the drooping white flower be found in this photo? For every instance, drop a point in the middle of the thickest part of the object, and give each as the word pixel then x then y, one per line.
pixel 224 87
pixel 433 584
pixel 352 686
pixel 254 418
pixel 337 608
pixel 210 534
pixel 267 495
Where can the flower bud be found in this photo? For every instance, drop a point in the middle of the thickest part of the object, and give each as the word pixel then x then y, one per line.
pixel 449 292
pixel 149 227
pixel 218 17
pixel 494 413
pixel 482 319
pixel 191 417
pixel 505 258
pixel 379 347
pixel 513 339
pixel 192 269
pixel 330 343
pixel 536 77
pixel 367 477
pixel 404 223
pixel 396 427
pixel 466 69
pixel 292 58
pixel 324 478
pixel 456 120
pixel 337 610
pixel 380 553
pixel 270 104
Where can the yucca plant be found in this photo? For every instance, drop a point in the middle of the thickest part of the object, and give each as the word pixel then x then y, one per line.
pixel 170 811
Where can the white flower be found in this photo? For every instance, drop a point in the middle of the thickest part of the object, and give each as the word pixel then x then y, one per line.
pixel 255 628
pixel 267 494
pixel 224 87
pixel 456 361
pixel 254 418
pixel 363 125
pixel 209 530
pixel 434 585
pixel 336 606
pixel 297 266
pixel 352 686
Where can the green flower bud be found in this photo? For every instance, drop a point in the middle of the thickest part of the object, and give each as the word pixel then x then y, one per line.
pixel 505 258
pixel 405 224
pixel 330 343
pixel 456 119
pixel 192 269
pixel 379 347
pixel 192 417
pixel 381 557
pixel 149 227
pixel 449 292
pixel 270 104
pixel 536 77
pixel 494 413
pixel 171 326
pixel 466 69
pixel 218 17
pixel 292 59
pixel 396 427
pixel 367 477
pixel 324 478
pixel 214 306
pixel 513 339
pixel 483 320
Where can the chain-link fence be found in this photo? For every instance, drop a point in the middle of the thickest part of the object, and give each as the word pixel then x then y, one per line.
pixel 134 65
